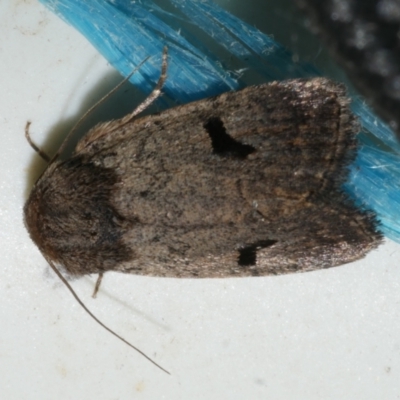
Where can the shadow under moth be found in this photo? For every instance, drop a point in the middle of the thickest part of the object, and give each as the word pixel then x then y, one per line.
pixel 247 183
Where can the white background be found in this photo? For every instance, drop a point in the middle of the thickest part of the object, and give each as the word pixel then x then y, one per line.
pixel 332 334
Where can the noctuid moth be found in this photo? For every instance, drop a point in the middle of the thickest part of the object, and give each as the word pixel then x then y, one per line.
pixel 247 183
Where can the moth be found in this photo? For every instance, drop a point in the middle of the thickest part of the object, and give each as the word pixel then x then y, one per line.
pixel 247 183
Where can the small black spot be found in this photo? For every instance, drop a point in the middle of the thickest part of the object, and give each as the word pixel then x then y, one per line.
pixel 222 143
pixel 248 254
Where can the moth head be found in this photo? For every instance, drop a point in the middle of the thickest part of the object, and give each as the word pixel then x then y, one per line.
pixel 37 220
pixel 71 217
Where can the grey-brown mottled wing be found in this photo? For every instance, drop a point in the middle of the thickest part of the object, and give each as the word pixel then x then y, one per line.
pixel 243 184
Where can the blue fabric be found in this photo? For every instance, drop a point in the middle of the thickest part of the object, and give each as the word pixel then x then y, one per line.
pixel 127 32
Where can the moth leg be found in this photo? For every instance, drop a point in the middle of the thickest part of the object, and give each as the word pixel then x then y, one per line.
pixel 97 286
pixel 153 95
pixel 33 145
pixel 119 123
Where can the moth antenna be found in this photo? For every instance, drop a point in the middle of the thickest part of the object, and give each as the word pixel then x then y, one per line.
pixel 33 145
pixel 80 302
pixel 88 112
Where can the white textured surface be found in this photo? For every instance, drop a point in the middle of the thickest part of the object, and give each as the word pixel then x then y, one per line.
pixel 331 334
